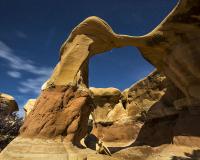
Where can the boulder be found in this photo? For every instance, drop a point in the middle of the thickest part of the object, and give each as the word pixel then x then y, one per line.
pixel 29 106
pixel 8 104
pixel 106 100
pixel 105 92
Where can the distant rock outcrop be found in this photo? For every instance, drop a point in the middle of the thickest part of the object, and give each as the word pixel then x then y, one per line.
pixel 9 121
pixel 8 104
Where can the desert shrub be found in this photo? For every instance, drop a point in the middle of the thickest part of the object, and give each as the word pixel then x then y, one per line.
pixel 9 128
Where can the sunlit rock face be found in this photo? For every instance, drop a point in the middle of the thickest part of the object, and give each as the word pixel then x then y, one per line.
pixel 118 116
pixel 106 100
pixel 59 111
pixel 29 106
pixel 160 109
pixel 110 117
pixel 146 99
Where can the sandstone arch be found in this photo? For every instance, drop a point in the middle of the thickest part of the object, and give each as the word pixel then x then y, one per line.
pixel 164 47
pixel 90 37
pixel 63 108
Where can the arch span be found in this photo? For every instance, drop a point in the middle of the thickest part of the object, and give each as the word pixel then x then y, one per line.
pixel 64 105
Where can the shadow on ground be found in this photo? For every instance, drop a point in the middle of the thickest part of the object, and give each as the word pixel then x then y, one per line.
pixel 194 156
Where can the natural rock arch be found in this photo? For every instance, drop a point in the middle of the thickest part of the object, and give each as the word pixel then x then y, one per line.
pixel 90 37
pixel 163 47
pixel 63 108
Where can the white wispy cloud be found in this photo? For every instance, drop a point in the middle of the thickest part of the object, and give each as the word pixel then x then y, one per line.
pixel 14 74
pixel 17 64
pixel 32 84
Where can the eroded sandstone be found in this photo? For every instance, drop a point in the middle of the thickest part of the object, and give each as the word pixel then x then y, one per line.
pixel 60 111
pixel 29 106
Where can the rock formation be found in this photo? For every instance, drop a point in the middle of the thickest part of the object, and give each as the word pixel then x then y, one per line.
pixel 148 100
pixel 8 104
pixel 29 106
pixel 9 121
pixel 110 116
pixel 106 100
pixel 61 112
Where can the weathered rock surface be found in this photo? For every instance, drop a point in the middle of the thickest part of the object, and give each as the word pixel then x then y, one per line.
pixel 51 149
pixel 163 152
pixel 110 116
pixel 56 149
pixel 173 48
pixel 119 117
pixel 8 104
pixel 29 106
pixel 107 105
pixel 60 111
pixel 147 99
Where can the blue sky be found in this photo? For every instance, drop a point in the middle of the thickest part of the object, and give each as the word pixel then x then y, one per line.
pixel 32 31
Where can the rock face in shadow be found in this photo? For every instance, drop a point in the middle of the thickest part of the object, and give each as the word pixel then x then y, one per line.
pixel 156 132
pixel 186 130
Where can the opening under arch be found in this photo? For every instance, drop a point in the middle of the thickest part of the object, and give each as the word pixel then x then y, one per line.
pixel 119 68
